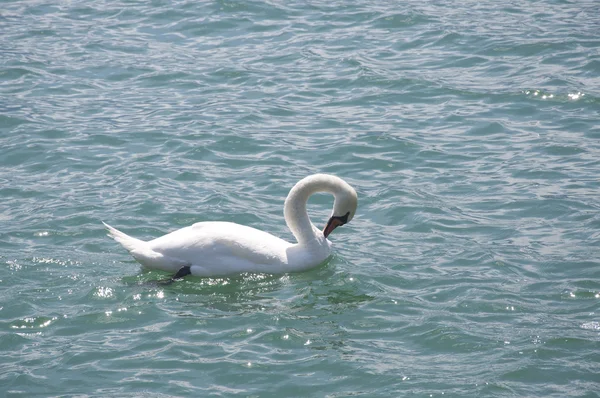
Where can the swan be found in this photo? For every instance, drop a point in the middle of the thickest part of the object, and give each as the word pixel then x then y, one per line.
pixel 218 248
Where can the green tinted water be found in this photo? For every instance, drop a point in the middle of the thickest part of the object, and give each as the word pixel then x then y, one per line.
pixel 470 132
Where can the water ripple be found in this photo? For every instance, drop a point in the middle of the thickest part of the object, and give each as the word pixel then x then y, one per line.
pixel 469 130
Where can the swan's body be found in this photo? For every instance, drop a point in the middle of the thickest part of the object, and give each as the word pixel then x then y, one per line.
pixel 216 248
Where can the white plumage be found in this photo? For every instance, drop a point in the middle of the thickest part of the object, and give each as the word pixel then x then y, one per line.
pixel 216 248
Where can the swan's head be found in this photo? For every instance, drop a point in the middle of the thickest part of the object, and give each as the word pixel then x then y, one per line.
pixel 344 208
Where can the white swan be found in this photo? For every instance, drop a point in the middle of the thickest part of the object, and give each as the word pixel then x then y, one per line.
pixel 216 248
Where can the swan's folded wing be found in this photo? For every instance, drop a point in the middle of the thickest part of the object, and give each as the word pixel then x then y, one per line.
pixel 223 245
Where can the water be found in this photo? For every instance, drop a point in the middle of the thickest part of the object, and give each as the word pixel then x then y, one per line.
pixel 469 129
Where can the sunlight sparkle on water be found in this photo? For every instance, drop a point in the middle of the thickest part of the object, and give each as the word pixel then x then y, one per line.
pixel 13 265
pixel 575 97
pixel 104 292
pixel 591 325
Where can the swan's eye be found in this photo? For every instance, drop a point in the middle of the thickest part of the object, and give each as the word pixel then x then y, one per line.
pixel 334 222
pixel 342 219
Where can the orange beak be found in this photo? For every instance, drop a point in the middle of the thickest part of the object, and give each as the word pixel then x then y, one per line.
pixel 332 224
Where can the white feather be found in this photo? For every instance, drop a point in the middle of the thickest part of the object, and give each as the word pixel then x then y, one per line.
pixel 223 248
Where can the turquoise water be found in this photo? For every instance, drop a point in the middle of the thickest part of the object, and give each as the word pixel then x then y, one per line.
pixel 469 129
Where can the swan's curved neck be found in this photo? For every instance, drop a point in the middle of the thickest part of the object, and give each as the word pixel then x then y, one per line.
pixel 294 209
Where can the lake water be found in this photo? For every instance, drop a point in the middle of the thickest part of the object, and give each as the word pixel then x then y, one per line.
pixel 470 130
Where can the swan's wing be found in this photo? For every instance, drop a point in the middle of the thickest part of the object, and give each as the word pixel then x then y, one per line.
pixel 222 246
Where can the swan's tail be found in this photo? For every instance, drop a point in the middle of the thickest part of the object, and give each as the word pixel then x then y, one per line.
pixel 139 249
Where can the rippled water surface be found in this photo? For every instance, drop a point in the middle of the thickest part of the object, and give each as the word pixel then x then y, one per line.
pixel 469 129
